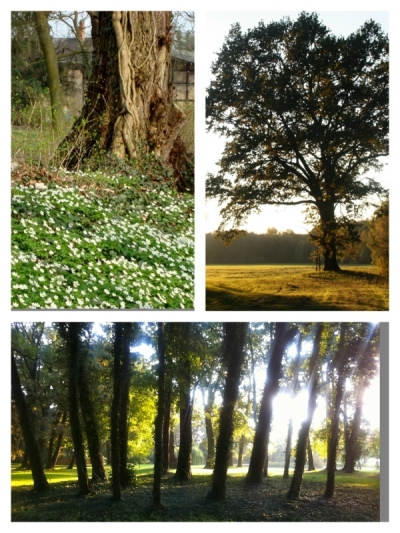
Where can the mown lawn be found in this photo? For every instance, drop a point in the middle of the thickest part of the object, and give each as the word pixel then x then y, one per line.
pixel 300 288
pixel 356 499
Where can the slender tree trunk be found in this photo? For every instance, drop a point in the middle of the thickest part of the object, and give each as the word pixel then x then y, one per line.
pixel 166 432
pixel 53 76
pixel 310 458
pixel 288 451
pixel 295 485
pixel 129 105
pixel 354 432
pixel 334 434
pixel 282 338
pixel 158 437
pixel 210 439
pixel 242 442
pixel 38 475
pixel 130 331
pixel 70 332
pixel 59 442
pixel 72 461
pixel 115 410
pixel 233 350
pixel 90 422
pixel 184 466
pixel 56 421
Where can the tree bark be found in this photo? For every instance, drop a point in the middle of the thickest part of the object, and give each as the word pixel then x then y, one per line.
pixel 115 410
pixel 310 457
pixel 158 436
pixel 60 436
pixel 295 485
pixel 184 466
pixel 70 332
pixel 53 76
pixel 283 336
pixel 32 447
pixel 90 423
pixel 288 450
pixel 233 352
pixel 128 107
pixel 329 228
pixel 334 433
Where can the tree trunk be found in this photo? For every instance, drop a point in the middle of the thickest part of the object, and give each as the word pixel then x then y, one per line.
pixel 210 439
pixel 242 442
pixel 328 241
pixel 115 409
pixel 70 332
pixel 310 458
pixel 353 433
pixel 184 466
pixel 166 431
pixel 334 433
pixel 130 331
pixel 129 107
pixel 56 421
pixel 60 436
pixel 90 422
pixel 158 436
pixel 233 350
pixel 32 447
pixel 72 461
pixel 282 338
pixel 288 451
pixel 53 76
pixel 295 485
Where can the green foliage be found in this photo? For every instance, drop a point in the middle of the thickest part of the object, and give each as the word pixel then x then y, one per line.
pixel 101 242
pixel 305 114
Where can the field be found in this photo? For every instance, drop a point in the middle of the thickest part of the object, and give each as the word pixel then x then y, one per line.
pixel 289 288
pixel 356 499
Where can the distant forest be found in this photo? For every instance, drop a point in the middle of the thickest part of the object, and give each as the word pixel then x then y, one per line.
pixel 270 248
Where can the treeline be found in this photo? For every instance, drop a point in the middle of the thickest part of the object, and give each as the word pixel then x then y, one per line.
pixel 272 247
pixel 91 390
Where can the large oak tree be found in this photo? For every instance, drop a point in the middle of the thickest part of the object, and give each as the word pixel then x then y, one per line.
pixel 306 117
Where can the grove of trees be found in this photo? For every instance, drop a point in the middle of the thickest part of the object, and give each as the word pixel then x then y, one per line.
pixel 116 394
pixel 306 117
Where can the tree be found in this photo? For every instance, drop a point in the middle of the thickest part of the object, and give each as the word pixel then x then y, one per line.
pixel 70 332
pixel 128 108
pixel 306 116
pixel 378 238
pixel 53 75
pixel 282 337
pixel 158 434
pixel 301 447
pixel 233 355
pixel 35 460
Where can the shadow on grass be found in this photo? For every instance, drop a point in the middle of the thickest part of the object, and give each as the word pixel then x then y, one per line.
pixel 220 300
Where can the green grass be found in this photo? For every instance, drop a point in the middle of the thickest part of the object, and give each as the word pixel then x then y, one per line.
pixel 287 287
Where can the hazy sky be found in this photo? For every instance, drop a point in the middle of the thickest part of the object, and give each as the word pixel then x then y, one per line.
pixel 218 24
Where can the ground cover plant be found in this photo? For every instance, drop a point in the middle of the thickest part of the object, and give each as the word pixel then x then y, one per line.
pixel 105 239
pixel 356 499
pixel 272 287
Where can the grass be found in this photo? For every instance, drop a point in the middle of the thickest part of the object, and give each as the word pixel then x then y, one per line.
pixel 356 498
pixel 287 287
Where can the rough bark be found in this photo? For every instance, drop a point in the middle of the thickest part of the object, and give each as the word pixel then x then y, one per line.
pixel 233 351
pixel 300 460
pixel 283 336
pixel 184 466
pixel 158 435
pixel 329 228
pixel 128 107
pixel 70 332
pixel 53 76
pixel 32 447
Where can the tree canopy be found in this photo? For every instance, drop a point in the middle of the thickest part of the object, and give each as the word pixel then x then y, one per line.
pixel 305 114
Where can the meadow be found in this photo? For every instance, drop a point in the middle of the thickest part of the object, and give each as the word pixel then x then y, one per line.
pixel 293 287
pixel 356 498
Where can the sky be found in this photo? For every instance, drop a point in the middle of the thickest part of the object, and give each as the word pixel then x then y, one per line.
pixel 218 25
